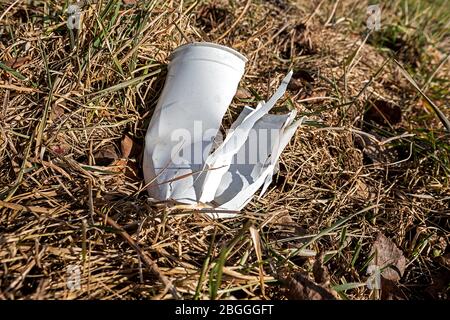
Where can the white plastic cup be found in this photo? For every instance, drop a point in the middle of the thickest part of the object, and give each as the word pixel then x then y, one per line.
pixel 201 82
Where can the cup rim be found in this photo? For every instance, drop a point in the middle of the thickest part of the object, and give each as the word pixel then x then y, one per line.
pixel 211 45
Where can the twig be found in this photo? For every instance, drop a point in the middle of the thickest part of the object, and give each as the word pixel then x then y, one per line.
pixel 314 12
pixel 33 209
pixel 332 13
pixel 441 64
pixel 9 8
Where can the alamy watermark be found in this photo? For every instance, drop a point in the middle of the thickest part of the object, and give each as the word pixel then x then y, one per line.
pixel 73 277
pixel 374 280
pixel 195 145
pixel 373 21
pixel 74 20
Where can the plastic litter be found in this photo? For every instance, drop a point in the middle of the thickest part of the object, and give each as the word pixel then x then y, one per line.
pixel 183 157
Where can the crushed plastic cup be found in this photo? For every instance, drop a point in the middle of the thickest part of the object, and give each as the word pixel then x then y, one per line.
pixel 184 159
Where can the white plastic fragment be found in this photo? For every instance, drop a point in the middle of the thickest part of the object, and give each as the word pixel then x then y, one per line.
pixel 179 161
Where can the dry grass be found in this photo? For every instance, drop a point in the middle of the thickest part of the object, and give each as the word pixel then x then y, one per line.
pixel 67 99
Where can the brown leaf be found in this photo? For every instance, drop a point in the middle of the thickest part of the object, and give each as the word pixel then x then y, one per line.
pixel 56 112
pixel 283 221
pixel 373 151
pixel 363 191
pixel 391 262
pixel 320 272
pixel 126 145
pixel 60 149
pixel 126 168
pixel 129 1
pixel 295 85
pixel 242 93
pixel 17 62
pixel 388 257
pixel 105 156
pixel 118 165
pixel 60 146
pixel 391 291
pixel 301 79
pixel 299 287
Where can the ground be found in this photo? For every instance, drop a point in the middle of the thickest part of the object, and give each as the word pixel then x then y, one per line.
pixel 363 185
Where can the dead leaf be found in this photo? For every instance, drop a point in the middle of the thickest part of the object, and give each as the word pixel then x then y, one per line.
pixel 242 93
pixel 388 257
pixel 283 219
pixel 299 287
pixel 56 112
pixel 295 85
pixel 362 192
pixel 391 290
pixel 320 271
pixel 60 147
pixel 17 62
pixel 301 79
pixel 373 151
pixel 105 156
pixel 283 222
pixel 128 168
pixel 126 145
pixel 129 1
pixel 118 165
